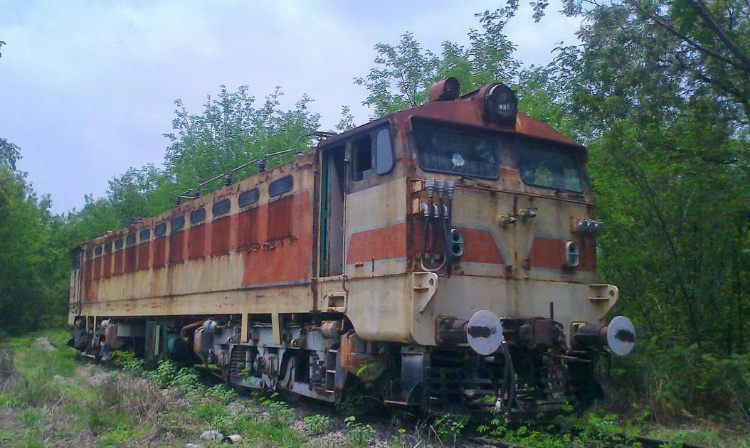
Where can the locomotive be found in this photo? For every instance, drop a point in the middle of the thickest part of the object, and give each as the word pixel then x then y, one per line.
pixel 443 257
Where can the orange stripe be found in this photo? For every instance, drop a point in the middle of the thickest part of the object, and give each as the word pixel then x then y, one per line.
pixel 547 253
pixel 282 260
pixel 378 244
pixel 480 247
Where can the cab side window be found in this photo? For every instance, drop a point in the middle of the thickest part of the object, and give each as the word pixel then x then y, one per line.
pixel 383 152
pixel 362 158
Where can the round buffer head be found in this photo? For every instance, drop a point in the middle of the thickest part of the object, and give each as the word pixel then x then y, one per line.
pixel 484 332
pixel 621 336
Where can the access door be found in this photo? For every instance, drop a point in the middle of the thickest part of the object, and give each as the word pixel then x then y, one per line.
pixel 332 186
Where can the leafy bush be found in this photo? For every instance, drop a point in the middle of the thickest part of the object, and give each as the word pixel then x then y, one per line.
pixel 359 434
pixel 317 424
pixel 164 375
pixel 128 361
pixel 220 393
pixel 279 413
pixel 448 427
pixel 681 382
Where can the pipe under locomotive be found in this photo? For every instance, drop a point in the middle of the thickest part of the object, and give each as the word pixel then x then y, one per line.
pixel 443 256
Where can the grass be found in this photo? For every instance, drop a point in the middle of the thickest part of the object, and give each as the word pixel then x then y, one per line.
pixel 51 397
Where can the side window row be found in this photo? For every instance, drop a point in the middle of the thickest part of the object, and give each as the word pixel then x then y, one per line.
pixel 245 199
pixel 364 157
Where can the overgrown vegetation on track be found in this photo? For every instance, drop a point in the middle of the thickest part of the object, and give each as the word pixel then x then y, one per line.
pixel 53 397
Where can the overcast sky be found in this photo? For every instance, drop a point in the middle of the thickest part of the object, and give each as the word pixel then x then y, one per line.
pixel 87 88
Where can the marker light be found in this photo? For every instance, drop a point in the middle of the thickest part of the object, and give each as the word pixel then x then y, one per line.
pixel 572 254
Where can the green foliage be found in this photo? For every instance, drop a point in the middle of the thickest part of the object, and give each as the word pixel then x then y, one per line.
pixel 709 39
pixel 403 73
pixel 9 154
pixel 128 361
pixel 669 164
pixel 50 398
pixel 230 131
pixel 347 120
pixel 359 434
pixel 27 256
pixel 279 413
pixel 595 431
pixel 448 427
pixel 317 423
pixel 683 382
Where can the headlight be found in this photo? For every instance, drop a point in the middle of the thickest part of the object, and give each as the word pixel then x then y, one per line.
pixel 500 104
pixel 572 254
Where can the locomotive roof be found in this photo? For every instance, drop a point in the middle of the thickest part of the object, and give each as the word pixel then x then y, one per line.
pixel 466 111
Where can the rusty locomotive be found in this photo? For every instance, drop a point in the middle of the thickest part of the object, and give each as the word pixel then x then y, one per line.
pixel 443 256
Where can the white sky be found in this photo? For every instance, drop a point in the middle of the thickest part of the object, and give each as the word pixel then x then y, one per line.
pixel 87 88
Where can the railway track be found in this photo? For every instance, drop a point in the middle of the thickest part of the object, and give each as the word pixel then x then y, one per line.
pixel 643 442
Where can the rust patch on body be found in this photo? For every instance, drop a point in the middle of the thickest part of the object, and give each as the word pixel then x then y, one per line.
pixel 480 247
pixel 107 266
pixel 247 228
pixel 196 242
pixel 130 259
pixel 97 268
pixel 119 266
pixel 221 236
pixel 177 247
pixel 287 259
pixel 144 255
pixel 160 252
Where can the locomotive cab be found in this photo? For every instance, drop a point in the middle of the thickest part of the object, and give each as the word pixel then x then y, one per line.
pixel 478 241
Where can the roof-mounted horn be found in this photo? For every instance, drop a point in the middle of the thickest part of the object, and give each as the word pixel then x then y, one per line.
pixel 446 90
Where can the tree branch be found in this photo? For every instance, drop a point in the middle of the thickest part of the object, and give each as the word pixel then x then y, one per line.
pixel 729 89
pixel 709 20
pixel 662 23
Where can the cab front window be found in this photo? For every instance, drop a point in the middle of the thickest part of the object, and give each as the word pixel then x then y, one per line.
pixel 457 152
pixel 544 165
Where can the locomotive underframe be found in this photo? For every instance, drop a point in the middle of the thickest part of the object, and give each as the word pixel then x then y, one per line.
pixel 320 355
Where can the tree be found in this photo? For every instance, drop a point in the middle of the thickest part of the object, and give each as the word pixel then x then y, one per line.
pixel 710 40
pixel 26 255
pixel 401 77
pixel 230 132
pixel 347 120
pixel 669 162
pixel 403 74
pixel 9 154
